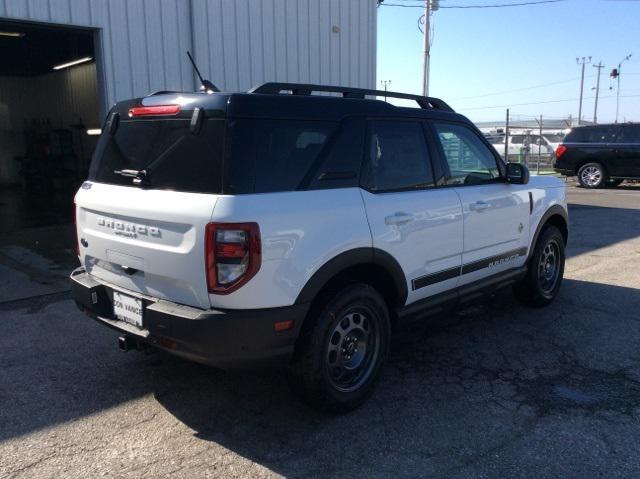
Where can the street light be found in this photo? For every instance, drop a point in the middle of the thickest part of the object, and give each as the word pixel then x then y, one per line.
pixel 615 73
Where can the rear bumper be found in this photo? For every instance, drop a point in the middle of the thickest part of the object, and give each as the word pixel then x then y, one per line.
pixel 564 171
pixel 564 167
pixel 221 338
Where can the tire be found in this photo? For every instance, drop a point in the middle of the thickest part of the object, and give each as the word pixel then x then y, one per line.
pixel 591 175
pixel 613 183
pixel 545 270
pixel 342 349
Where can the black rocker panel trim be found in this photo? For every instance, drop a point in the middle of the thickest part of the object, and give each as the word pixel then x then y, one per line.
pixel 434 278
pixel 467 292
pixel 493 260
pixel 451 273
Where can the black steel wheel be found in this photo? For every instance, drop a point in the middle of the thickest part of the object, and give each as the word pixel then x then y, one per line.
pixel 352 349
pixel 341 349
pixel 545 270
pixel 549 267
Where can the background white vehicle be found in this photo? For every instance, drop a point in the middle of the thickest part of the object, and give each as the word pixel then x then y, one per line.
pixel 518 142
pixel 251 227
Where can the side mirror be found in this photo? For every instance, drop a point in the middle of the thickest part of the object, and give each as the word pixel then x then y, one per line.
pixel 517 174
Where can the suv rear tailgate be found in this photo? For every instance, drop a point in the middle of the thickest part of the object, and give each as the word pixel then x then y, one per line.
pixel 146 241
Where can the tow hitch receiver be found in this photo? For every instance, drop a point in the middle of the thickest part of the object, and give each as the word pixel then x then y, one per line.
pixel 127 343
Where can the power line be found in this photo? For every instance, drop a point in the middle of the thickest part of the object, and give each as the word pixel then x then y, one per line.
pixel 500 5
pixel 543 102
pixel 521 89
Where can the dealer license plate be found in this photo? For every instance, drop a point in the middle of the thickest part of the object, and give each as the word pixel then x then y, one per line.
pixel 127 309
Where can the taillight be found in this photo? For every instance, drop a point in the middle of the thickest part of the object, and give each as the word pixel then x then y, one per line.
pixel 233 255
pixel 156 110
pixel 560 151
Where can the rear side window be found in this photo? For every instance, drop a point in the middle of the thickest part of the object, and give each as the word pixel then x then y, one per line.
pixel 266 155
pixel 397 157
pixel 470 161
pixel 629 134
pixel 173 157
pixel 597 134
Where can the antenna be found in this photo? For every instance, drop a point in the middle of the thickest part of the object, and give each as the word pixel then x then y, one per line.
pixel 207 86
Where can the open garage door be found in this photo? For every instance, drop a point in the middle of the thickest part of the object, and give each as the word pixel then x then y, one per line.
pixel 49 106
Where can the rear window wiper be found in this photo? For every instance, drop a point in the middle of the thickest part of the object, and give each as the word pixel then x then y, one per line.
pixel 139 176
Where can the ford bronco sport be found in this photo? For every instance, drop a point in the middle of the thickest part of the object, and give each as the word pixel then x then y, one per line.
pixel 281 225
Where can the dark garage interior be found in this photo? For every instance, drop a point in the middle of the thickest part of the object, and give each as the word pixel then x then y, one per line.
pixel 47 109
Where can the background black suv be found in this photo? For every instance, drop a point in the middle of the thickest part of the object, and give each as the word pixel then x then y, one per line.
pixel 601 155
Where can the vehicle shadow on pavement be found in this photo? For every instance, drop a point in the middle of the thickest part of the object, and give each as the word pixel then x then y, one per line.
pixel 456 387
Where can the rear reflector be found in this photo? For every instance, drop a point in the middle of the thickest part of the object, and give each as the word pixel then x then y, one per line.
pixel 157 110
pixel 560 151
pixel 283 325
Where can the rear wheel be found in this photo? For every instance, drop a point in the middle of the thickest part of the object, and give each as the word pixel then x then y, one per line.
pixel 545 270
pixel 342 349
pixel 591 175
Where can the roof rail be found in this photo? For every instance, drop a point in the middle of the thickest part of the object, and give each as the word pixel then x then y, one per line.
pixel 274 88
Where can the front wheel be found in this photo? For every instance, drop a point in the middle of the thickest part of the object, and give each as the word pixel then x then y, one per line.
pixel 591 175
pixel 342 349
pixel 542 282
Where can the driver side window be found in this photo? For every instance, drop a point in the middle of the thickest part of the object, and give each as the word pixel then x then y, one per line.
pixel 470 160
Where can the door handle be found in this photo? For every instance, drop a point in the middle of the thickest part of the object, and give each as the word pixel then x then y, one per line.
pixel 398 219
pixel 479 206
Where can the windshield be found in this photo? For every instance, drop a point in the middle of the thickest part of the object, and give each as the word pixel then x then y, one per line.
pixel 173 157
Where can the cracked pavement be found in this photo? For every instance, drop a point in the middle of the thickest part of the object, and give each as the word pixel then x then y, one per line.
pixel 492 390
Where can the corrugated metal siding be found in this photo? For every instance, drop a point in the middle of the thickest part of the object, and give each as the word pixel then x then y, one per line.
pixel 240 43
pixel 237 43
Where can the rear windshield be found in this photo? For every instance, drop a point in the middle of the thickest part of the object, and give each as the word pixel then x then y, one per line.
pixel 173 157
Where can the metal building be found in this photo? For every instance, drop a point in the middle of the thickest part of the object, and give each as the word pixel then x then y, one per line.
pixel 64 62
pixel 140 45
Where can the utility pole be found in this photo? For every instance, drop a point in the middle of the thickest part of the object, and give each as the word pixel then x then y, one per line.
pixel 385 84
pixel 616 74
pixel 427 48
pixel 599 66
pixel 539 144
pixel 582 62
pixel 506 139
pixel 430 6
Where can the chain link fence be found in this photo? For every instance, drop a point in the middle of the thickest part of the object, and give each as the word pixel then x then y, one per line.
pixel 527 139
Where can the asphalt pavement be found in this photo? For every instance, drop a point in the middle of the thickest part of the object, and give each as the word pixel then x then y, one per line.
pixel 494 390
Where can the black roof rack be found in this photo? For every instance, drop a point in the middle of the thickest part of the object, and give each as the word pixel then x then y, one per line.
pixel 274 88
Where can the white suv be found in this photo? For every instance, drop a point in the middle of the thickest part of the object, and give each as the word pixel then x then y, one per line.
pixel 243 228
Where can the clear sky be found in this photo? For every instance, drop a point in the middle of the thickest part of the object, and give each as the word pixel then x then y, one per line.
pixel 479 57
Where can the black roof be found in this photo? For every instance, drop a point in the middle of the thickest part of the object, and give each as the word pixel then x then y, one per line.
pixel 290 100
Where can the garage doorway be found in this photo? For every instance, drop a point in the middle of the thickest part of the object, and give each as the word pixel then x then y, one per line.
pixel 49 117
pixel 48 103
